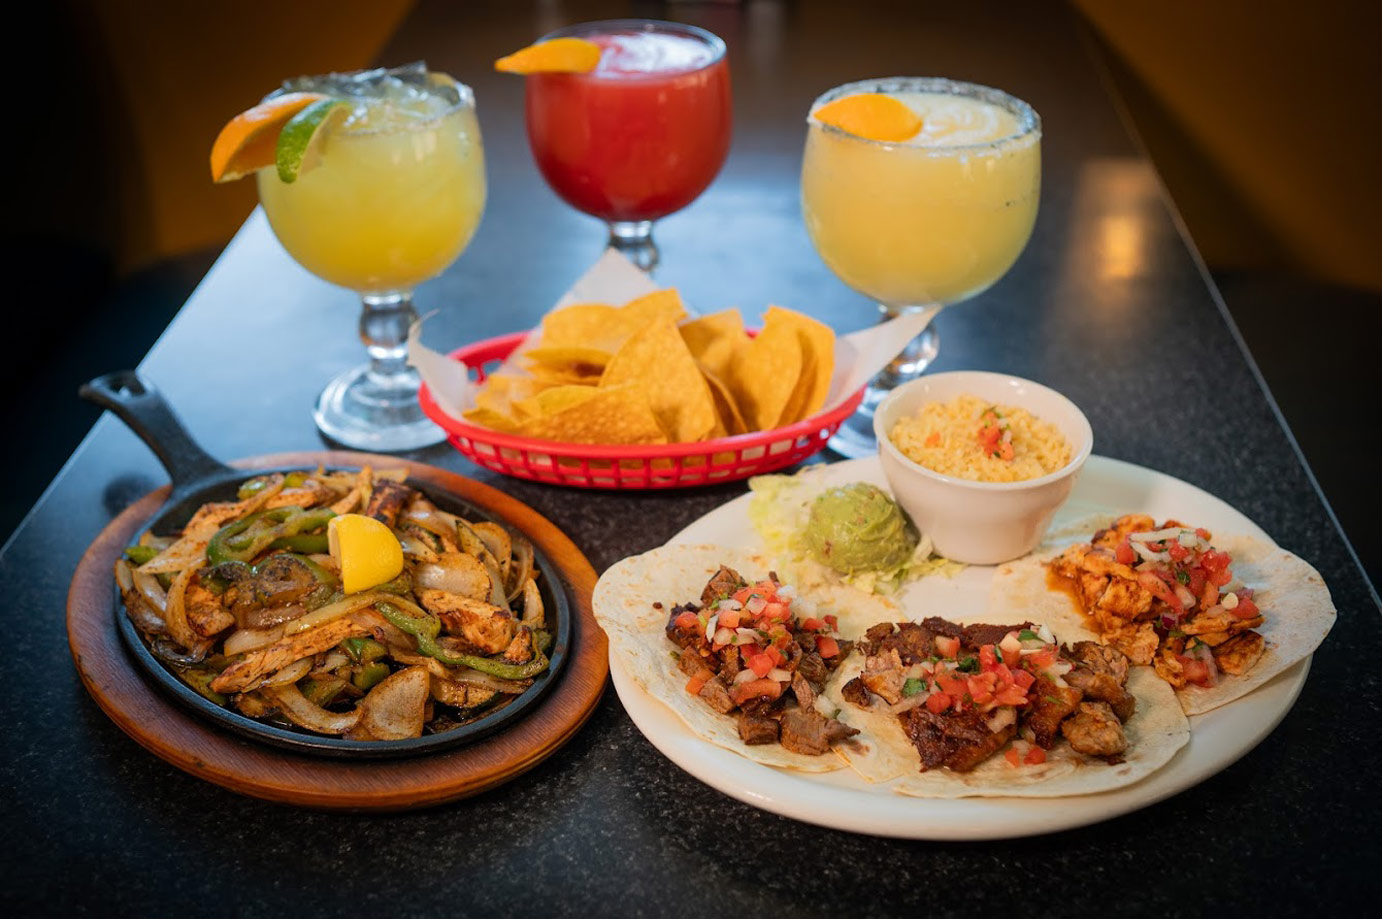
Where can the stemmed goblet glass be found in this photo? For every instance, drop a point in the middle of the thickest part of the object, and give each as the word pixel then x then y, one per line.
pixel 923 223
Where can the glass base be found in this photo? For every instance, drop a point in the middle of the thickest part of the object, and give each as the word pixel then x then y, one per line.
pixel 855 438
pixel 375 412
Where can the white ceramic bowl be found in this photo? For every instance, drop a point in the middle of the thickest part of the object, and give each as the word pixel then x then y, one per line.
pixel 981 523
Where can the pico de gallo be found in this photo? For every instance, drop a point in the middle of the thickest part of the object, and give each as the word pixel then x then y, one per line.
pixel 995 435
pixel 751 651
pixel 1164 595
pixel 963 693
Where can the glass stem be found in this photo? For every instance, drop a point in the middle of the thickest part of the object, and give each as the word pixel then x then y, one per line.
pixel 912 360
pixel 634 238
pixel 384 324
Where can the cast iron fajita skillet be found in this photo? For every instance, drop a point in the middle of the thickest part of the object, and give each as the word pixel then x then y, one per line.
pixel 197 478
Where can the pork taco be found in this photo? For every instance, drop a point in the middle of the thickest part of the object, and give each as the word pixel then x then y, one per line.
pixel 1216 617
pixel 952 710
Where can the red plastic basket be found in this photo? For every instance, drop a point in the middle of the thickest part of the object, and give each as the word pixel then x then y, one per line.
pixel 708 462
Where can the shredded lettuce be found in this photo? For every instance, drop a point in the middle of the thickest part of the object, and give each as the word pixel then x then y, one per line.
pixel 779 510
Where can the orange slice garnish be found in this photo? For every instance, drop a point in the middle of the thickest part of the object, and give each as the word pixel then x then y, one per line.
pixel 873 116
pixel 249 141
pixel 560 55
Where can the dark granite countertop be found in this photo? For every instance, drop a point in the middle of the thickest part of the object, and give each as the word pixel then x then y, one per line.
pixel 1108 305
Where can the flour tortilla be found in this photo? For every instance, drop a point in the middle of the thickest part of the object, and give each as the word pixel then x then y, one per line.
pixel 1296 606
pixel 623 602
pixel 881 753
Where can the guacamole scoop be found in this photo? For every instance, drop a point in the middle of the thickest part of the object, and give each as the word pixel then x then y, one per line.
pixel 856 528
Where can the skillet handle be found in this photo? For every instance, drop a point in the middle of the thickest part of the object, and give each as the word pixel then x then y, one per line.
pixel 142 407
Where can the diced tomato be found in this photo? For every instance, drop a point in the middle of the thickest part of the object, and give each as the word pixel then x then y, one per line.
pixel 1208 595
pixel 937 702
pixel 812 624
pixel 1011 695
pixel 833 621
pixel 980 690
pixel 1035 756
pixel 1005 452
pixel 1196 671
pixel 761 664
pixel 1124 553
pixel 729 618
pixel 1023 680
pixel 1220 578
pixel 988 658
pixel 1042 659
pixel 686 621
pixel 827 646
pixel 1013 757
pixel 1214 560
pixel 694 685
pixel 1159 589
pixel 1197 581
pixel 1177 551
pixel 774 655
pixel 946 646
pixel 1246 609
pixel 776 611
pixel 1203 534
pixel 753 689
pixel 951 685
pixel 933 439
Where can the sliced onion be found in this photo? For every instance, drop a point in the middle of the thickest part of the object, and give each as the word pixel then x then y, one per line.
pixel 907 703
pixel 743 676
pixel 729 603
pixel 1155 535
pixel 333 611
pixel 787 592
pixel 1229 601
pixel 1184 595
pixel 151 590
pixel 297 709
pixel 723 636
pixel 289 674
pixel 1044 631
pixel 1149 555
pixel 333 660
pixel 244 640
pixel 1188 539
pixel 1002 718
pixel 749 636
pixel 782 676
pixel 756 605
pixel 175 616
pixel 710 627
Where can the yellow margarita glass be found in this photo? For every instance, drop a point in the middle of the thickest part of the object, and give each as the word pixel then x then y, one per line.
pixel 393 200
pixel 923 222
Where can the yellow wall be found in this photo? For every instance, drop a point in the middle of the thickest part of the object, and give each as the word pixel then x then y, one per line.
pixel 177 71
pixel 1281 101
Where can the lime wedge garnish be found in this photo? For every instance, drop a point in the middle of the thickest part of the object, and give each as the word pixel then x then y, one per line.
pixel 300 141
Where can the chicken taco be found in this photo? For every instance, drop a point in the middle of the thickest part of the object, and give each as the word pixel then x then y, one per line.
pixel 1216 617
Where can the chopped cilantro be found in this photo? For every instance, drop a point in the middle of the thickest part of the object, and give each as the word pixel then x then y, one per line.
pixel 967 665
pixel 1176 633
pixel 1028 635
pixel 1183 577
pixel 912 687
pixel 1052 699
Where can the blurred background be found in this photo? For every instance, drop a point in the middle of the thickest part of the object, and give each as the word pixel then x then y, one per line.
pixel 1260 116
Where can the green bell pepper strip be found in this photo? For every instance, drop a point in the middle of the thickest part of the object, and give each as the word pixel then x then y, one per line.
pixel 363 650
pixel 323 692
pixel 542 640
pixel 200 680
pixel 302 543
pixel 426 628
pixel 243 539
pixel 369 675
pixel 259 483
pixel 140 554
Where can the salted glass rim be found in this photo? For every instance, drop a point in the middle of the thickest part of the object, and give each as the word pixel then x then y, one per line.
pixel 1028 121
pixel 575 30
pixel 465 99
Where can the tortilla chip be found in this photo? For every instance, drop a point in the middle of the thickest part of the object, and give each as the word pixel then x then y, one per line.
pixel 731 419
pixel 1295 602
pixel 660 304
pixel 501 390
pixel 768 373
pixel 591 415
pixel 715 340
pixel 572 358
pixel 656 360
pixel 489 418
pixel 580 325
pixel 817 342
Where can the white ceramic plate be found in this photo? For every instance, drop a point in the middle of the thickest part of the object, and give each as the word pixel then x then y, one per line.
pixel 841 800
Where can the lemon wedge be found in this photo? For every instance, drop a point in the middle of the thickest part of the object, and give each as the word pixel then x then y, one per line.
pixel 366 551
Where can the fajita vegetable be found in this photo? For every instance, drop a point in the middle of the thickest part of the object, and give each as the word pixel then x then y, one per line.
pixel 341 603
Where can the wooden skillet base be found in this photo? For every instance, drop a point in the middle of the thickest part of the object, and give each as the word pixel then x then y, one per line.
pixel 184 740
